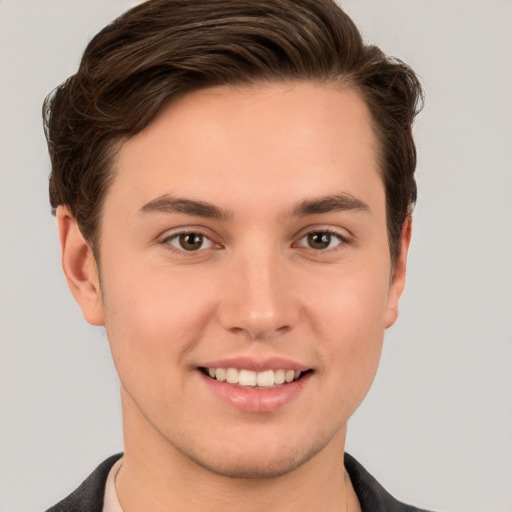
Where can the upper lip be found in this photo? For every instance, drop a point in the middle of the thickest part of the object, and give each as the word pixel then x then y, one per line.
pixel 257 365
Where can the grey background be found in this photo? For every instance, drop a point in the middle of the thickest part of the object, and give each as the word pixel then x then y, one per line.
pixel 436 429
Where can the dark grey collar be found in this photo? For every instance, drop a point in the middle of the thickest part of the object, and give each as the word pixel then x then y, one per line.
pixel 372 496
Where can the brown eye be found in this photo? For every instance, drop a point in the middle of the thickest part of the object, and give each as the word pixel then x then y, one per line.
pixel 320 240
pixel 190 241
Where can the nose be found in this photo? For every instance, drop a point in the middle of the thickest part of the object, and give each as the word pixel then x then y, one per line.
pixel 258 299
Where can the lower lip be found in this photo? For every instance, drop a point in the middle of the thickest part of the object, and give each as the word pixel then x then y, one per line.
pixel 257 399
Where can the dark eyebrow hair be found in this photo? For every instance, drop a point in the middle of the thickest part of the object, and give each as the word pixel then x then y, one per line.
pixel 170 204
pixel 329 204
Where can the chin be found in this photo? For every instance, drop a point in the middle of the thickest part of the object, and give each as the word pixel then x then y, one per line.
pixel 253 468
pixel 257 460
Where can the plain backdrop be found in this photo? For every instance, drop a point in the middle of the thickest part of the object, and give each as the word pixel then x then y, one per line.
pixel 436 429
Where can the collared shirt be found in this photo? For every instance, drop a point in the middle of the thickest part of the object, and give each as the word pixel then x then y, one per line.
pixel 111 500
pixel 98 494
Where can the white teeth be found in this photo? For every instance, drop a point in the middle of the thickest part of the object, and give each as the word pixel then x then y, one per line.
pixel 232 375
pixel 265 379
pixel 279 376
pixel 220 374
pixel 249 378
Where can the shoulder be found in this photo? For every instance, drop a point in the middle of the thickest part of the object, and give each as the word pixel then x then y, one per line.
pixel 89 496
pixel 372 496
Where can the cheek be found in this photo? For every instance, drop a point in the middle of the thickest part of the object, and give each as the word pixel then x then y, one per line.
pixel 153 319
pixel 347 314
pixel 347 300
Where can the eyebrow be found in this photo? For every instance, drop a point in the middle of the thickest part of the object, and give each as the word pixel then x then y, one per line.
pixel 314 206
pixel 327 204
pixel 170 204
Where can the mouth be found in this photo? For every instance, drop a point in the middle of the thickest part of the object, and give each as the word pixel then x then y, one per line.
pixel 256 385
pixel 249 379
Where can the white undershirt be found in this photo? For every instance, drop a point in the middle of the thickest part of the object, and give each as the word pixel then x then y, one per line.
pixel 111 501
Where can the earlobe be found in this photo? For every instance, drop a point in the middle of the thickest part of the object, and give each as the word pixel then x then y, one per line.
pixel 399 274
pixel 79 267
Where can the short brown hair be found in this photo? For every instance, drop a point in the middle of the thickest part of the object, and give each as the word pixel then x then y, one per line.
pixel 162 49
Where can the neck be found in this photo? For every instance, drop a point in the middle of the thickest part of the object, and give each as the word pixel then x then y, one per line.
pixel 156 476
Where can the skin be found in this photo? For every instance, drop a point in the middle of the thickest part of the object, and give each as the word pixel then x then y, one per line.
pixel 255 288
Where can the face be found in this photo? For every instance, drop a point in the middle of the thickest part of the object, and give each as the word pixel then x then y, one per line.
pixel 243 243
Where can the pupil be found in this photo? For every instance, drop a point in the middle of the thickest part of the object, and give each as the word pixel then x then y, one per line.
pixel 191 241
pixel 319 240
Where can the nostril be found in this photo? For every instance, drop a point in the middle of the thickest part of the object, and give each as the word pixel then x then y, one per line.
pixel 260 332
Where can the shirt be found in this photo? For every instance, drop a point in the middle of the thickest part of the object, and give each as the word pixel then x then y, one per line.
pixel 98 491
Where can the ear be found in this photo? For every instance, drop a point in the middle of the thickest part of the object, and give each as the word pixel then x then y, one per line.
pixel 399 273
pixel 79 267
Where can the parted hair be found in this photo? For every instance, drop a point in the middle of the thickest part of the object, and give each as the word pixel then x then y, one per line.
pixel 163 49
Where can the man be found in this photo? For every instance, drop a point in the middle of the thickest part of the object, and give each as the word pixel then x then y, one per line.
pixel 233 185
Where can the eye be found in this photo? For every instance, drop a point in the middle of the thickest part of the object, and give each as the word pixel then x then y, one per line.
pixel 189 241
pixel 320 240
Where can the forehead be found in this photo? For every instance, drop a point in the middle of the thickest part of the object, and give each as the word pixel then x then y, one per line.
pixel 274 140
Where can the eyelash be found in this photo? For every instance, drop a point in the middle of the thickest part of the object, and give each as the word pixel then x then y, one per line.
pixel 176 237
pixel 331 233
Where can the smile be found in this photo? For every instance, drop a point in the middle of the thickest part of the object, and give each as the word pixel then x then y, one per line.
pixel 262 386
pixel 253 379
